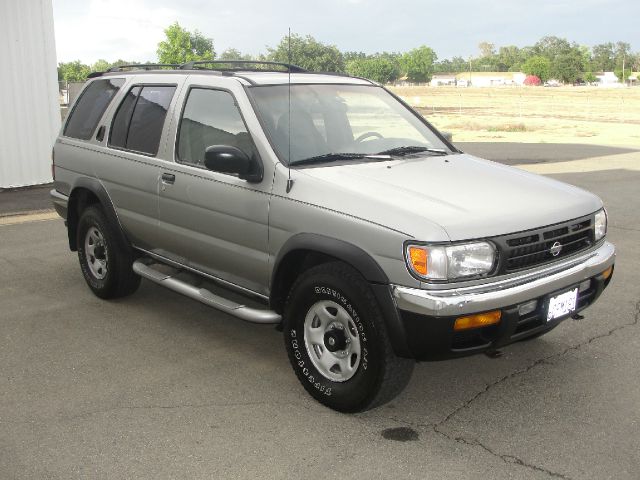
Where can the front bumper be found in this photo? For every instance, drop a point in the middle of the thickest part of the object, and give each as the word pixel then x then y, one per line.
pixel 428 315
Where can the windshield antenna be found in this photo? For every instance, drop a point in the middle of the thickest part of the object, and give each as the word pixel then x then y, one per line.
pixel 289 181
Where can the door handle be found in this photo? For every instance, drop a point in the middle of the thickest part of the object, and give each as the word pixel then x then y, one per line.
pixel 168 178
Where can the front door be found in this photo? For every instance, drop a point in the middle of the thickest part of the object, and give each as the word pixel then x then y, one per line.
pixel 214 222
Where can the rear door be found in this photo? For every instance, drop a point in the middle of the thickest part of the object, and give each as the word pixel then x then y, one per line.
pixel 130 160
pixel 215 222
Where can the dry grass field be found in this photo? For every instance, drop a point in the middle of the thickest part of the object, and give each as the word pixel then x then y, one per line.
pixel 531 114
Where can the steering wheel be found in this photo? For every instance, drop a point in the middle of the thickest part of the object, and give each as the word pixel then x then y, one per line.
pixel 366 135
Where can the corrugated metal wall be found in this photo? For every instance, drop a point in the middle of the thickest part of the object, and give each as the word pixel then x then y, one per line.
pixel 29 104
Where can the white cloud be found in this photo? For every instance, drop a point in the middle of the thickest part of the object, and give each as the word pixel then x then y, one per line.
pixel 111 29
pixel 131 29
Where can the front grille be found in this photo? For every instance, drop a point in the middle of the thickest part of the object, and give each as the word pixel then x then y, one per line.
pixel 535 247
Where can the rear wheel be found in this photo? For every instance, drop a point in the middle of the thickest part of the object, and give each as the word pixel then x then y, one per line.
pixel 105 259
pixel 337 342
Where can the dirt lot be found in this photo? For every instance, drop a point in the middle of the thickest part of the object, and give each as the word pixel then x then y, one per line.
pixel 531 114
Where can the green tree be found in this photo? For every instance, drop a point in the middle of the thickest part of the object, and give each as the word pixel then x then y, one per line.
pixel 551 47
pixel 623 77
pixel 568 67
pixel 348 56
pixel 181 46
pixel 487 49
pixel 73 71
pixel 454 65
pixel 308 53
pixel 511 57
pixel 603 57
pixel 378 69
pixel 234 54
pixel 622 53
pixel 539 66
pixel 100 66
pixel 589 77
pixel 418 64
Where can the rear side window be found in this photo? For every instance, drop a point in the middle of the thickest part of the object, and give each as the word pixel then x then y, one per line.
pixel 90 107
pixel 138 123
pixel 120 126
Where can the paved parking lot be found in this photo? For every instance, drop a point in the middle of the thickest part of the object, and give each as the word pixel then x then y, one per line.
pixel 159 386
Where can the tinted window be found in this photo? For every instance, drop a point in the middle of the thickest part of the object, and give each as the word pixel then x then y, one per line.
pixel 148 118
pixel 211 117
pixel 122 119
pixel 89 108
pixel 138 123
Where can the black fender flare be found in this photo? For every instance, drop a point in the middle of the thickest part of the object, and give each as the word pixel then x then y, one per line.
pixel 358 259
pixel 94 186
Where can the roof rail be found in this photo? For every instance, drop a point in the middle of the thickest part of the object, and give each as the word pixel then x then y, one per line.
pixel 141 66
pixel 232 63
pixel 144 66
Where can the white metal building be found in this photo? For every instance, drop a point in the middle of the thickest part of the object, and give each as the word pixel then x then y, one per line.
pixel 29 105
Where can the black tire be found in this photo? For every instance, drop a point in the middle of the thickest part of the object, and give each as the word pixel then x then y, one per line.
pixel 380 375
pixel 118 278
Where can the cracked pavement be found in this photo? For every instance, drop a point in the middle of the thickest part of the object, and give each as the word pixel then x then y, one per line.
pixel 159 386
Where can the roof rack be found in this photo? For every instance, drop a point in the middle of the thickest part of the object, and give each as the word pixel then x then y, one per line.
pixel 144 66
pixel 288 67
pixel 234 66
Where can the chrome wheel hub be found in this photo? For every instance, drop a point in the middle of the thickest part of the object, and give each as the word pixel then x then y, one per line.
pixel 96 253
pixel 332 341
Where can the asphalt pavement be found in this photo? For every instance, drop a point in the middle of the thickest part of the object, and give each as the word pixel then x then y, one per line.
pixel 15 201
pixel 159 386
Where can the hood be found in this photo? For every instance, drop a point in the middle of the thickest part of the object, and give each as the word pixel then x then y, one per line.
pixel 465 196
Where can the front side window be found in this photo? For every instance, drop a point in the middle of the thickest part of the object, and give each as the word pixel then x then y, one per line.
pixel 325 119
pixel 138 123
pixel 210 117
pixel 90 107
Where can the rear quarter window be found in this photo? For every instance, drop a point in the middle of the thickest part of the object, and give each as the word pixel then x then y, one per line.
pixel 90 107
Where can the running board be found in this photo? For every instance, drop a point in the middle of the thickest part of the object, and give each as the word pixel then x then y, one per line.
pixel 203 295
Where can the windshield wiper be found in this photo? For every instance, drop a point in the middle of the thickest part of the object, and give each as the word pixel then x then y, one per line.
pixel 406 150
pixel 329 157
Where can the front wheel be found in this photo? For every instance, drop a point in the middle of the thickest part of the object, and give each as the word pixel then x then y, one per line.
pixel 337 342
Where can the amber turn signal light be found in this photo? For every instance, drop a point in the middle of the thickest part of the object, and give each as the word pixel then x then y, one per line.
pixel 418 258
pixel 607 273
pixel 478 320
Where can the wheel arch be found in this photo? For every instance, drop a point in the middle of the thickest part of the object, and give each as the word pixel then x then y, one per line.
pixel 88 191
pixel 305 250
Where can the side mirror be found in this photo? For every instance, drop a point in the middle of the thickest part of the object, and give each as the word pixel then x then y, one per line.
pixel 448 136
pixel 228 159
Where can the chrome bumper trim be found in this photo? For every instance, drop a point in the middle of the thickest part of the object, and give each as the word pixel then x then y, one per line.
pixel 60 202
pixel 488 296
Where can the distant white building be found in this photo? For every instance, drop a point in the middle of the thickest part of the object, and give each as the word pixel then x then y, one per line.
pixel 478 79
pixel 443 79
pixel 492 79
pixel 29 101
pixel 607 79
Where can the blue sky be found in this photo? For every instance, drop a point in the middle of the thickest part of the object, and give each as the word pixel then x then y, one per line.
pixel 91 29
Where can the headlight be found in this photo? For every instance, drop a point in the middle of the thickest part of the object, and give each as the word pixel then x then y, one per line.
pixel 445 262
pixel 600 224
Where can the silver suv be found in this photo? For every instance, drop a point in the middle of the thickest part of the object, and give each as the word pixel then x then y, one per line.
pixel 327 206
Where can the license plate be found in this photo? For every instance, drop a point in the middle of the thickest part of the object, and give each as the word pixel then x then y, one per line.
pixel 562 304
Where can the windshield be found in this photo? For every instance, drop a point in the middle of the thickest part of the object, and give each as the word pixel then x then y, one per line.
pixel 345 121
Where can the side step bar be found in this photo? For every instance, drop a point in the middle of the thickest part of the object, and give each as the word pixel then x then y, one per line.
pixel 205 296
